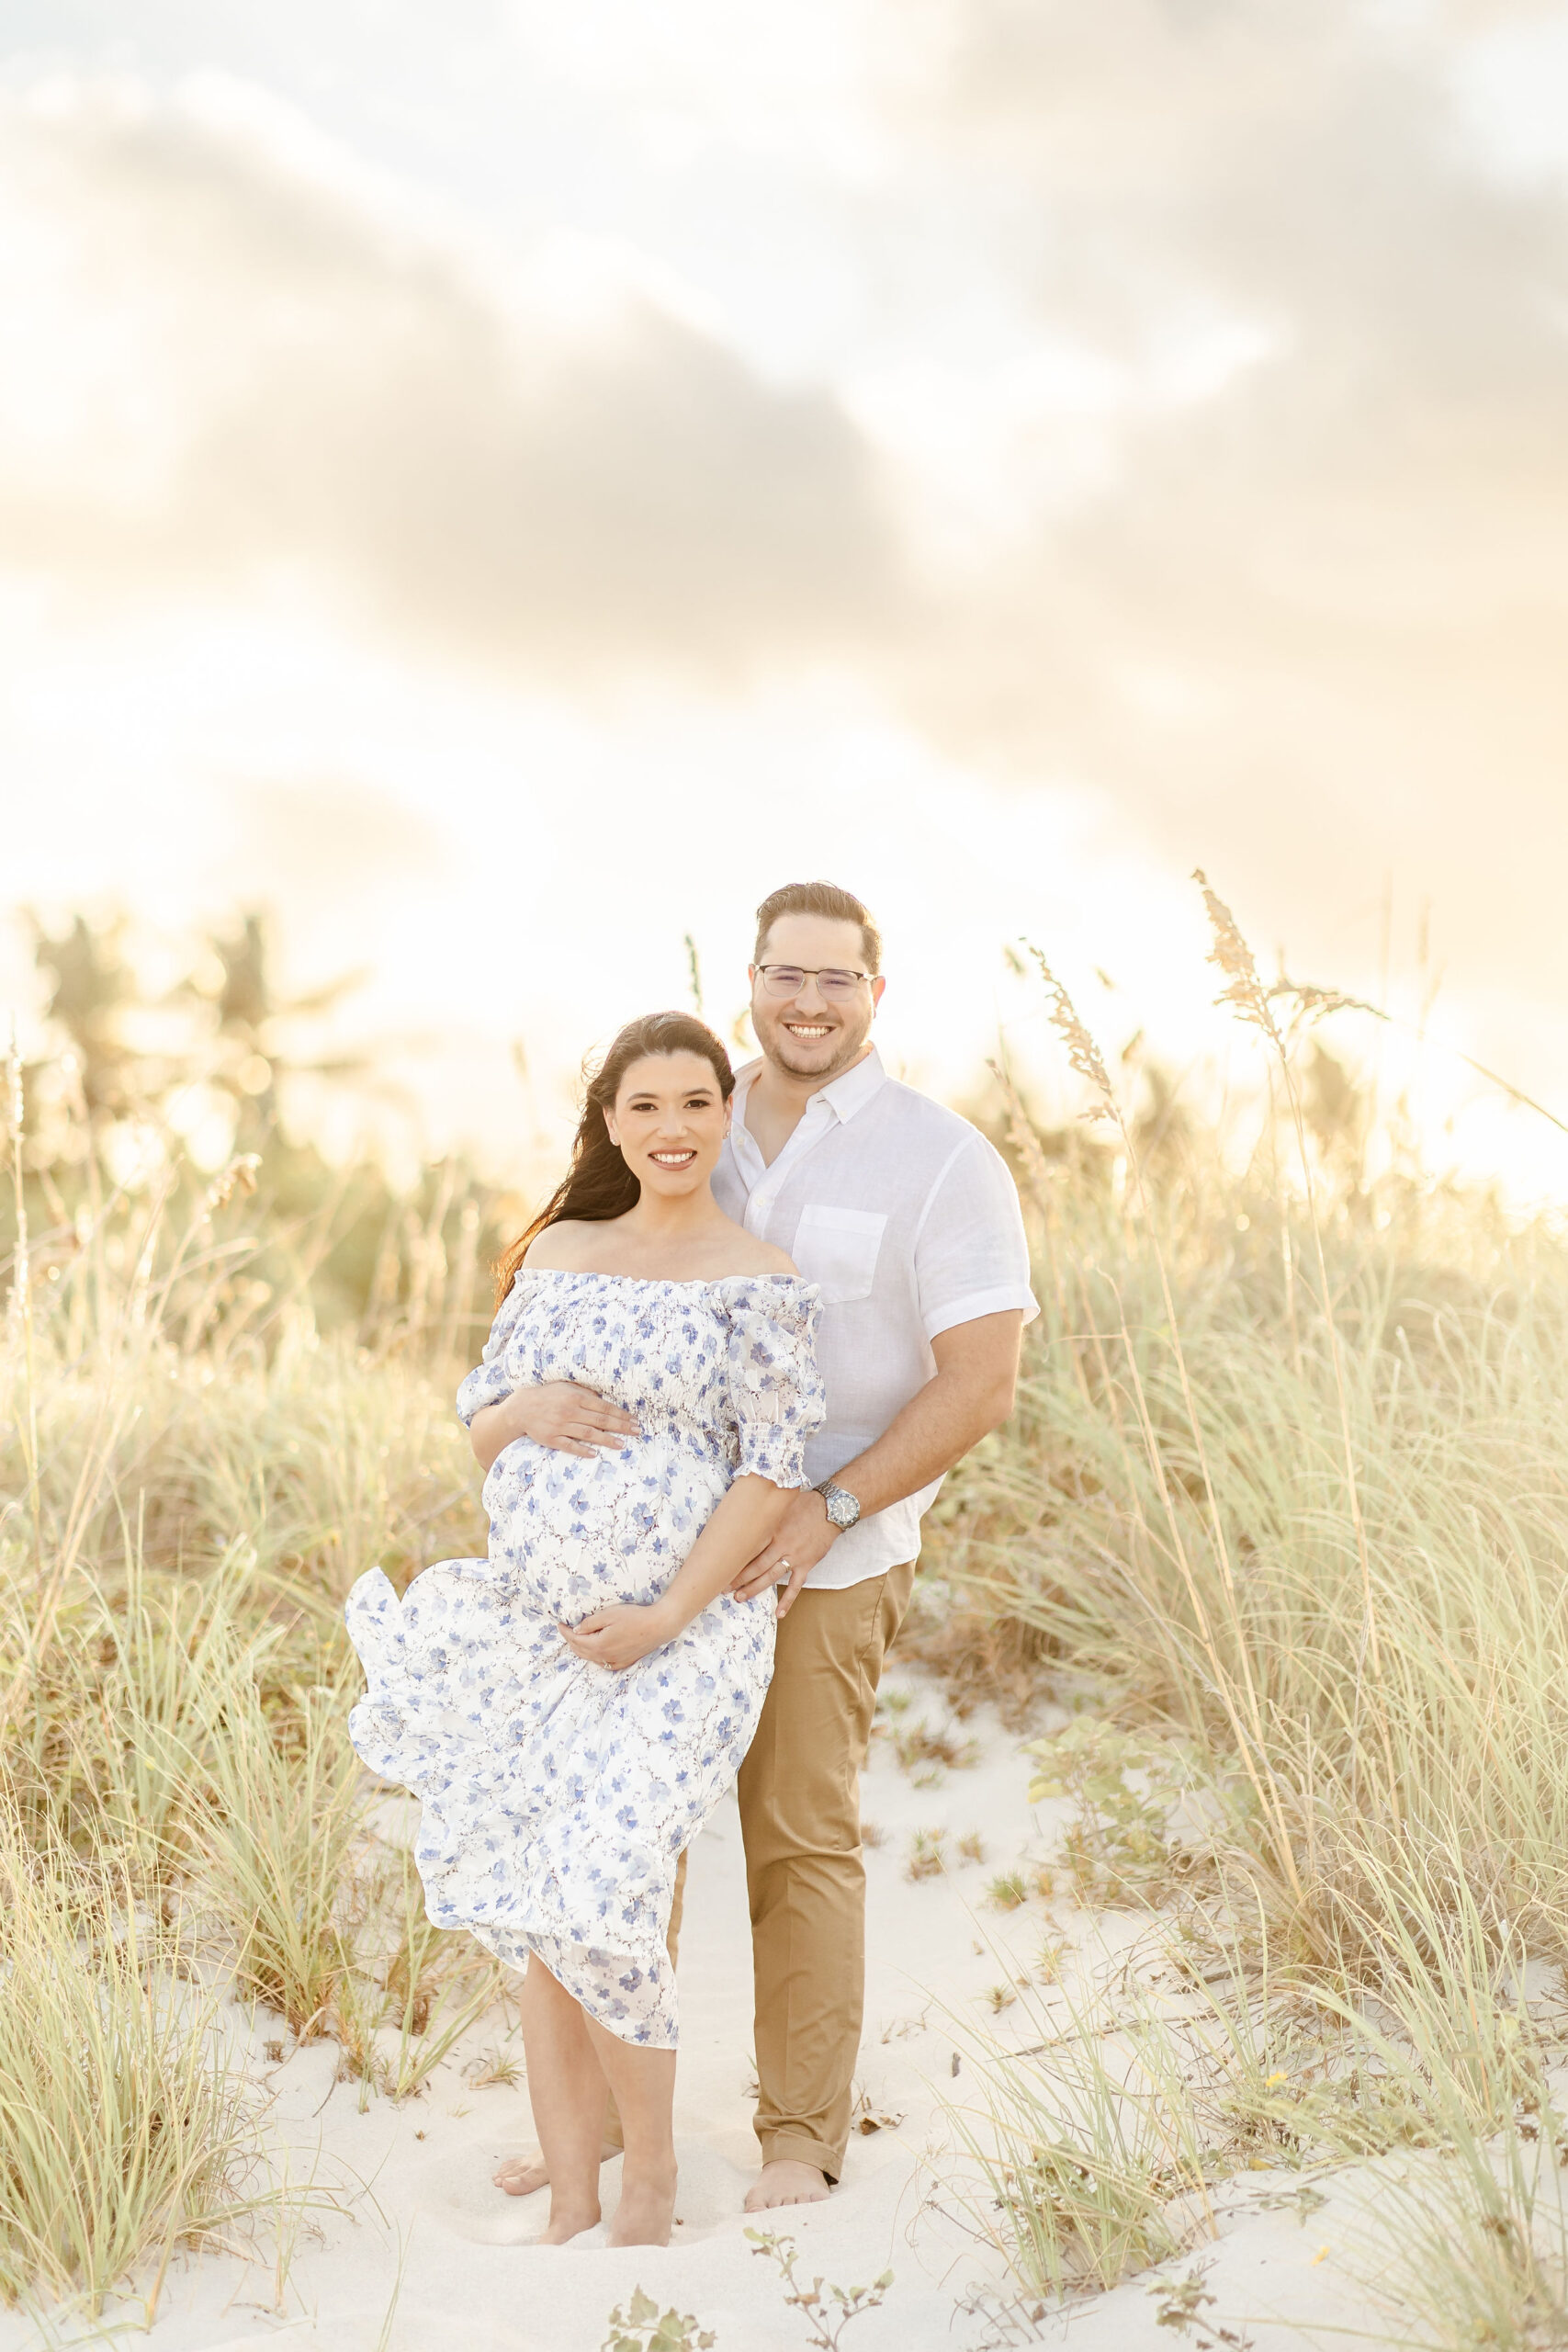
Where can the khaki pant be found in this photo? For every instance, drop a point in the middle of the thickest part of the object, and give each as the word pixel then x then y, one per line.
pixel 799 1793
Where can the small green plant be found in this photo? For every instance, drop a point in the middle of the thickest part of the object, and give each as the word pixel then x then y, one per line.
pixel 926 1753
pixel 495 2069
pixel 641 2326
pixel 827 2310
pixel 928 1854
pixel 1053 1951
pixel 1010 2320
pixel 1118 1843
pixel 1009 1891
pixel 1180 2303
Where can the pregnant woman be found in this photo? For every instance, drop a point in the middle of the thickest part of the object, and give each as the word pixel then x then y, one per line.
pixel 570 1710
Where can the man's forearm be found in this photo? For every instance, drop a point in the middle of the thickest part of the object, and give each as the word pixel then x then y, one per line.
pixel 933 1432
pixel 970 1394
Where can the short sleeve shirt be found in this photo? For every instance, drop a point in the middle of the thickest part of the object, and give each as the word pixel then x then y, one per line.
pixel 909 1221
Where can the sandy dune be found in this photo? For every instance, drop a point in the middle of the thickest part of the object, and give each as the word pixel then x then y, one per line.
pixel 411 2185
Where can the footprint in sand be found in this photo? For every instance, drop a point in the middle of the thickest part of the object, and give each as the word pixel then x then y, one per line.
pixel 458 2193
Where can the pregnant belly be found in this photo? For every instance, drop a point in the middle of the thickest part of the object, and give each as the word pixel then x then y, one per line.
pixel 580 1534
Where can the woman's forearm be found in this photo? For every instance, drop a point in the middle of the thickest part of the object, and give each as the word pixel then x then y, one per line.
pixel 744 1521
pixel 491 1431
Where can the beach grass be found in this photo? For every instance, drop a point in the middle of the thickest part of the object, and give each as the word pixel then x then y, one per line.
pixel 124 2127
pixel 1282 1520
pixel 190 1477
pixel 1284 1510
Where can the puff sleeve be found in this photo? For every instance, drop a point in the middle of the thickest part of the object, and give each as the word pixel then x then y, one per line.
pixel 489 1382
pixel 775 1389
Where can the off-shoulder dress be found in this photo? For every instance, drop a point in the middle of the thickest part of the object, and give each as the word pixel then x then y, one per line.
pixel 557 1795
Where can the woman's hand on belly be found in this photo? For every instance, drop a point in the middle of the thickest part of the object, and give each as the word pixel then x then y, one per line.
pixel 618 1637
pixel 558 1413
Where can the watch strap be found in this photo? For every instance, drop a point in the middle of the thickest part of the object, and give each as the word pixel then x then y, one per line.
pixel 829 1488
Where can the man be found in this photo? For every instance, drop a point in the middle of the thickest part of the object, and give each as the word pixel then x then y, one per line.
pixel 910 1222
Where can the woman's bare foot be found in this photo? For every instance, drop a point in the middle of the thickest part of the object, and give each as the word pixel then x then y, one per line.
pixel 521 2175
pixel 646 2210
pixel 568 2221
pixel 786 2182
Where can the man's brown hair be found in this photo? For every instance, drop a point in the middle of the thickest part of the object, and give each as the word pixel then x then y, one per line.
pixel 819 898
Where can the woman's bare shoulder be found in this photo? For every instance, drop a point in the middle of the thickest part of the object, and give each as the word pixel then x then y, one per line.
pixel 752 1255
pixel 563 1248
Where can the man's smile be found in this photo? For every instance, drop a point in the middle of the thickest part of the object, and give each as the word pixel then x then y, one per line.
pixel 809 1030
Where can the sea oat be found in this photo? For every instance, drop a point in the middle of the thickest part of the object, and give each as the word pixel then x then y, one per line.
pixel 1082 1052
pixel 1022 1134
pixel 1230 953
pixel 239 1174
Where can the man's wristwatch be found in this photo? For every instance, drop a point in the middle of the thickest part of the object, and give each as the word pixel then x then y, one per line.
pixel 842 1508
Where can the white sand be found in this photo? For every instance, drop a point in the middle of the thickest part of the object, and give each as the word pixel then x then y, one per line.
pixel 412 2182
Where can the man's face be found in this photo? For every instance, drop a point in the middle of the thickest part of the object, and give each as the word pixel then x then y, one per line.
pixel 813 1033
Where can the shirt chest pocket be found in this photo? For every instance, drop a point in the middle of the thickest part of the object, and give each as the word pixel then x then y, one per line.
pixel 837 1248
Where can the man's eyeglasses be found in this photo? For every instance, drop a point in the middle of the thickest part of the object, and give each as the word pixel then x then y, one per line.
pixel 788 980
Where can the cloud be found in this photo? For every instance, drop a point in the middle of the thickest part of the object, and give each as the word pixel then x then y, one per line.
pixel 324 845
pixel 236 361
pixel 1303 624
pixel 1237 313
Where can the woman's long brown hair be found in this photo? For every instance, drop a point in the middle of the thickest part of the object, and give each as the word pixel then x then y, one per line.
pixel 599 1185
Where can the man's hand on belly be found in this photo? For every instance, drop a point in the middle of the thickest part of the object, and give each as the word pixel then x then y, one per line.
pixel 618 1637
pixel 806 1534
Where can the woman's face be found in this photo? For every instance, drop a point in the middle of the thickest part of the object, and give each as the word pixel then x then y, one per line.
pixel 669 1119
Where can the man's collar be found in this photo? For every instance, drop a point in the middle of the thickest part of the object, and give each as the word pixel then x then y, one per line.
pixel 844 1095
pixel 854 1089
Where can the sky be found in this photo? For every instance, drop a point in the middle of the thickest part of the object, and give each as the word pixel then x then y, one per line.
pixel 504 488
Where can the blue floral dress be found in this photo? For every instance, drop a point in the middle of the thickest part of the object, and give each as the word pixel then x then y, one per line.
pixel 556 1795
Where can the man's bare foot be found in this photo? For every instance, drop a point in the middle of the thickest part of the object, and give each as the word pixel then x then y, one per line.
pixel 646 2210
pixel 786 2182
pixel 569 2221
pixel 521 2175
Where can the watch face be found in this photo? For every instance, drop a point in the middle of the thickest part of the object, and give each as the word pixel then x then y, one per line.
pixel 842 1508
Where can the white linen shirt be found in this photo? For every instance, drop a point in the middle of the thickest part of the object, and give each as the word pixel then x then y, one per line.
pixel 909 1221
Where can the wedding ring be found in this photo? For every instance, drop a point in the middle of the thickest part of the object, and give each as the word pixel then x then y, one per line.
pixel 783 1563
